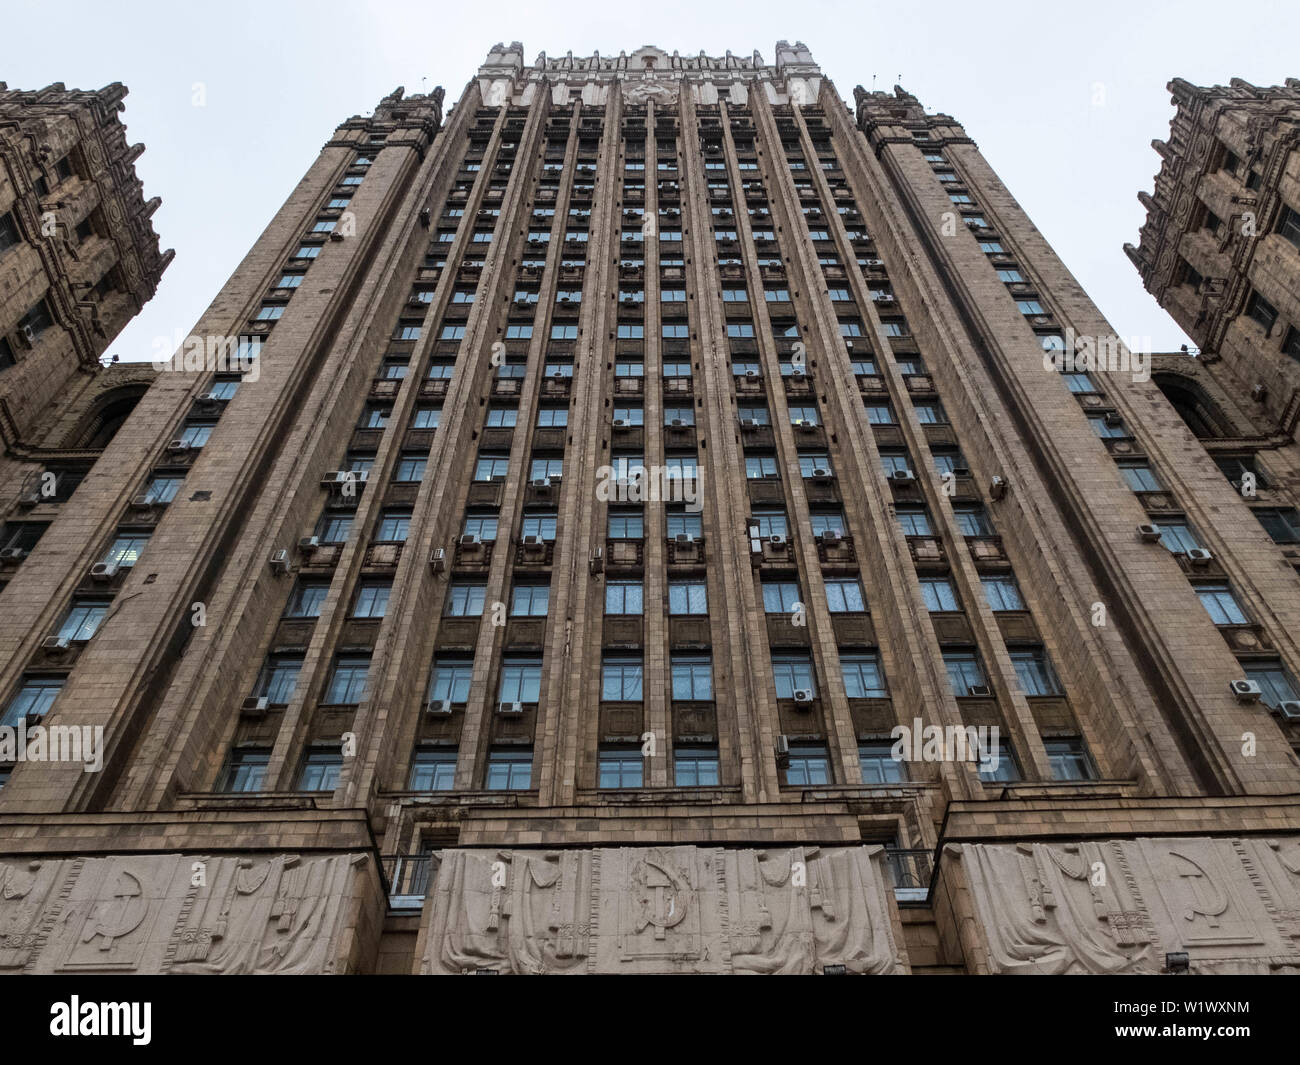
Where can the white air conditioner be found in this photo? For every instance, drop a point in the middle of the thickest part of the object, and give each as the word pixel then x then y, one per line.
pixel 981 690
pixel 596 564
pixel 541 482
pixel 776 540
pixel 141 503
pixel 677 423
pixel 440 706
pixel 684 538
pixel 1246 691
pixel 902 477
pixel 1149 533
pixel 255 706
pixel 751 374
pixel 1199 556
pixel 820 474
pixel 55 644
pixel 280 561
pixel 209 399
pixel 748 423
pixel 178 447
pixel 1259 393
pixel 12 554
pixel 782 747
pixel 29 335
pixel 469 540
pixel 510 707
pixel 438 560
pixel 803 695
pixel 308 544
pixel 620 423
pixel 829 537
pixel 997 488
pixel 1289 709
pixel 532 541
pixel 806 426
pixel 1114 418
pixel 103 571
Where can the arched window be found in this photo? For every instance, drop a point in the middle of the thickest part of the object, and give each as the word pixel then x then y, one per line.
pixel 1200 413
pixel 105 418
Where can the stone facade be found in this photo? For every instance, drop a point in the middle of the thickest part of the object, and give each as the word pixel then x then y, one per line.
pixel 571 499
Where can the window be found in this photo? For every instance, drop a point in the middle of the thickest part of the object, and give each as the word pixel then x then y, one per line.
pixel 8 232
pixel 320 770
pixel 125 550
pixel 828 521
pixel 1263 312
pixel 630 331
pixel 433 769
pixel 491 467
pixel 767 522
pixel 792 673
pixel 688 597
pixel 880 414
pixel 372 599
pixel 780 597
pixel 162 488
pixel 1221 604
pixel 1288 225
pixel 879 766
pixel 629 415
pixel 863 677
pixel 930 413
pixel 621 680
pixel 1178 537
pixel 1011 277
pixel 1002 594
pixel 809 765
pixel 1276 685
pixel 410 468
pixel 1140 477
pixel 692 677
pixel 552 417
pixel 196 434
pixel 914 521
pixel 333 528
pixel 539 523
pixel 620 767
pixel 999 766
pixel 450 680
pixel 393 526
pixel 482 526
pixel 465 600
pixel 624 597
pixel 530 600
pixel 545 468
pixel 1281 523
pixel 521 680
pixel 1078 383
pixel 270 312
pixel 676 331
pixel 803 415
pixel 278 679
pixel 814 464
pixel 245 770
pixel 626 525
pixel 1108 428
pixel 347 684
pixel 761 467
pixel 509 770
pixel 695 767
pixel 972 520
pixel 33 698
pixel 1034 672
pixel 939 595
pixel 964 671
pixel 844 596
pixel 307 599
pixel 1069 760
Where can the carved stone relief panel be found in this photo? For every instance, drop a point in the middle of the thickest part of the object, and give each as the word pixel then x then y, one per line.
pixel 179 913
pixel 661 909
pixel 1120 906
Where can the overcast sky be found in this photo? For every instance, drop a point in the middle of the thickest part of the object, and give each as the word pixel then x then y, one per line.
pixel 1063 100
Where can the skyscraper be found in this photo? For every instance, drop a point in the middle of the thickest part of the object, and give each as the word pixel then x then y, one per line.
pixel 653 520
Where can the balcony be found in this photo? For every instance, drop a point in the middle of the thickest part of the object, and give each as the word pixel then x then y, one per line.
pixel 408 877
pixel 910 872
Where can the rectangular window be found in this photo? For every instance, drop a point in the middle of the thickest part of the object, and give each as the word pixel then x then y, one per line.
pixel 688 597
pixel 1140 477
pixel 1221 604
pixel 245 770
pixel 372 599
pixel 1263 312
pixel 320 770
pixel 624 597
pixel 433 770
pixel 347 684
pixel 695 767
pixel 964 671
pixel 1034 672
pixel 879 766
pixel 1002 594
pixel 620 767
pixel 809 766
pixel 1069 760
pixel 465 600
pixel 692 678
pixel 307 599
pixel 450 681
pixel 621 680
pixel 125 550
pixel 521 680
pixel 780 597
pixel 530 600
pixel 792 673
pixel 863 677
pixel 940 597
pixel 1275 683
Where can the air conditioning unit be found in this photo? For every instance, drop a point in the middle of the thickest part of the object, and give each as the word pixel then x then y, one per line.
pixel 438 560
pixel 821 475
pixel 803 695
pixel 469 540
pixel 439 706
pixel 29 335
pixel 141 503
pixel 55 644
pixel 1149 533
pixel 510 708
pixel 12 554
pixel 677 423
pixel 541 482
pixel 1259 393
pixel 280 561
pixel 829 537
pixel 1289 709
pixel 748 423
pixel 1113 418
pixel 1199 556
pixel 178 447
pixel 596 564
pixel 103 571
pixel 776 540
pixel 997 488
pixel 620 423
pixel 532 541
pixel 209 399
pixel 308 544
pixel 1246 691
pixel 782 747
pixel 254 706
pixel 902 477
pixel 684 538
pixel 981 690
pixel 751 374
pixel 32 720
